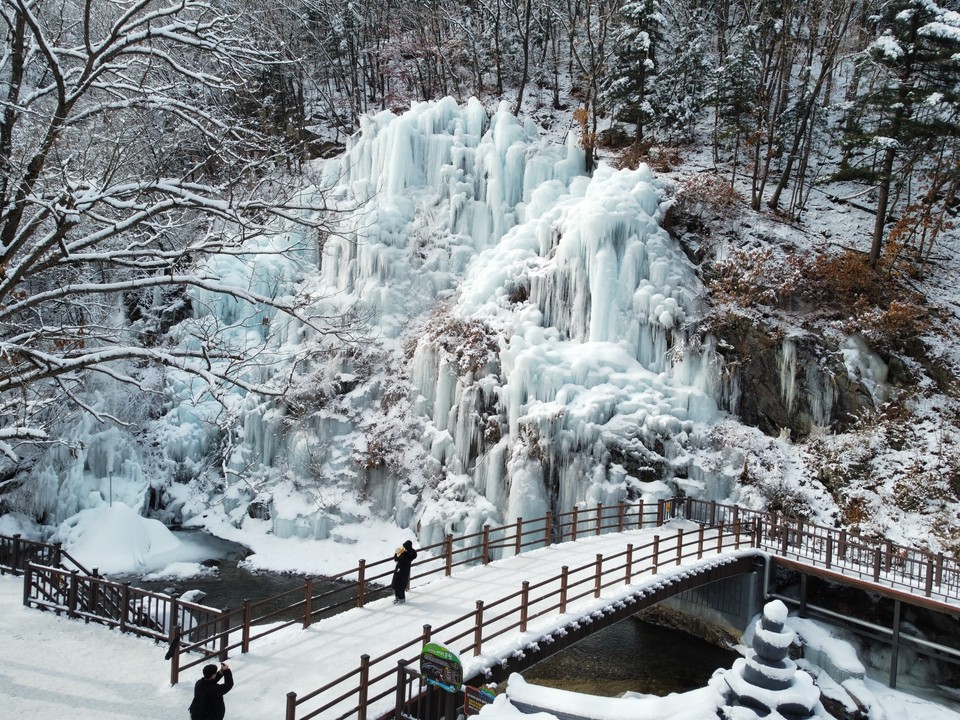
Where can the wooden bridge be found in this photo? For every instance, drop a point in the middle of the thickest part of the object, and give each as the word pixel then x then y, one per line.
pixel 494 597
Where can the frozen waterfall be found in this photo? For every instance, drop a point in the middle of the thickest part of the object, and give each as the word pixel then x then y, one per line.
pixel 526 344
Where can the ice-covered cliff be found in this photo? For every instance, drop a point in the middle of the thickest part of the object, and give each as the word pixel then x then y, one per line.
pixel 506 336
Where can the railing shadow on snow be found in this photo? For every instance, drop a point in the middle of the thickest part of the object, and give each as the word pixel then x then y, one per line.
pixel 197 633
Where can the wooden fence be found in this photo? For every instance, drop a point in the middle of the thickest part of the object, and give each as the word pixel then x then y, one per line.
pixel 197 633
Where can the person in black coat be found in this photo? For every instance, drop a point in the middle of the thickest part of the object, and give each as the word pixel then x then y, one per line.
pixel 208 693
pixel 403 558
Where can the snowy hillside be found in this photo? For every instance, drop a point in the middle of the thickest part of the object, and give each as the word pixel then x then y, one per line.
pixel 516 337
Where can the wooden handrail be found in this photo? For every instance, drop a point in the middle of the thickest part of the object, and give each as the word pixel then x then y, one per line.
pixel 919 571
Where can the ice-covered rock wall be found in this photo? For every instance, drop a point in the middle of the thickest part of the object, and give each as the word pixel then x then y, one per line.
pixel 516 338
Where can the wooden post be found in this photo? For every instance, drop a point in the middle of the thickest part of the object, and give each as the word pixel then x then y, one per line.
pixel 548 529
pixel 16 553
pixel 363 692
pixel 620 517
pixel 573 531
pixel 427 633
pixel 124 606
pixel 938 577
pixel 876 564
pixel 842 547
pixel 224 634
pixel 660 510
pixel 174 640
pixel 478 628
pixel 713 513
pixel 656 553
pixel 72 595
pixel 292 705
pixel 524 599
pixel 679 545
pixel 401 687
pixel 598 573
pixel 784 538
pixel 736 523
pixel 699 542
pixel 175 609
pixel 361 582
pixel 245 630
pixel 756 540
pixel 519 547
pixel 928 582
pixel 485 550
pixel 688 508
pixel 640 514
pixel 448 554
pixel 599 518
pixel 829 550
pixel 803 595
pixel 888 560
pixel 94 587
pixel 720 536
pixel 308 601
pixel 27 581
pixel 629 564
pixel 895 645
pixel 564 579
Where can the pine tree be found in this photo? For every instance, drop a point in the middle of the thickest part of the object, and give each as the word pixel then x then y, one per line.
pixel 681 86
pixel 630 83
pixel 911 107
pixel 736 90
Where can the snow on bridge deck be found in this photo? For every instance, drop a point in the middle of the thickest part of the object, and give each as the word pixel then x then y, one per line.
pixel 302 660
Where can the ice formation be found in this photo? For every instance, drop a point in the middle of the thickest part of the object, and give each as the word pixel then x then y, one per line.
pixel 525 347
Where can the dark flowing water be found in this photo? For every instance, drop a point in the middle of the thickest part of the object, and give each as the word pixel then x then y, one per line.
pixel 632 655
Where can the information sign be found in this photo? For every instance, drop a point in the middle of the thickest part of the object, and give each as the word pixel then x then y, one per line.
pixel 440 667
pixel 475 698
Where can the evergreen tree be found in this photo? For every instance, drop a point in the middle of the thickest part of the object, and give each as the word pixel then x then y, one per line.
pixel 911 108
pixel 736 94
pixel 681 86
pixel 630 83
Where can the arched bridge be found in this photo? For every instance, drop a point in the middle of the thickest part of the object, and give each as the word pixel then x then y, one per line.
pixel 501 598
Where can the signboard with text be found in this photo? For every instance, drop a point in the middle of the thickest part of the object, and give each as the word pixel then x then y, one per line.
pixel 475 698
pixel 440 667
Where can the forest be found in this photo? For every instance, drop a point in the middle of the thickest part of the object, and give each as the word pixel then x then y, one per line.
pixel 140 137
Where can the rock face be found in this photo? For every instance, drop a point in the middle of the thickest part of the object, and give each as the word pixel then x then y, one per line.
pixel 792 383
pixel 767 682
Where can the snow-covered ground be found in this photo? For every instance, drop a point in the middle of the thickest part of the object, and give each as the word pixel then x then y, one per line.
pixel 58 668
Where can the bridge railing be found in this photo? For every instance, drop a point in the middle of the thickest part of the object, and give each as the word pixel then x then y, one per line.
pixel 16 552
pixel 207 632
pixel 918 572
pixel 487 621
pixel 93 597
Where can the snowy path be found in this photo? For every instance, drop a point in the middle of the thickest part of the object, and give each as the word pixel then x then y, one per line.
pixel 100 673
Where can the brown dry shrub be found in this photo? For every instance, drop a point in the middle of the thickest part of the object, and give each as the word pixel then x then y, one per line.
pixel 856 511
pixel 706 195
pixel 752 276
pixel 660 158
pixel 845 279
pixel 870 300
pixel 470 342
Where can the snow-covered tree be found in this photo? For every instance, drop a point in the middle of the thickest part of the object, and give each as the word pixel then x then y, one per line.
pixel 125 165
pixel 736 101
pixel 680 87
pixel 911 109
pixel 629 83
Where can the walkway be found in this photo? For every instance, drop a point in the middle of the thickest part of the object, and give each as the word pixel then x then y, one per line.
pixel 301 660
